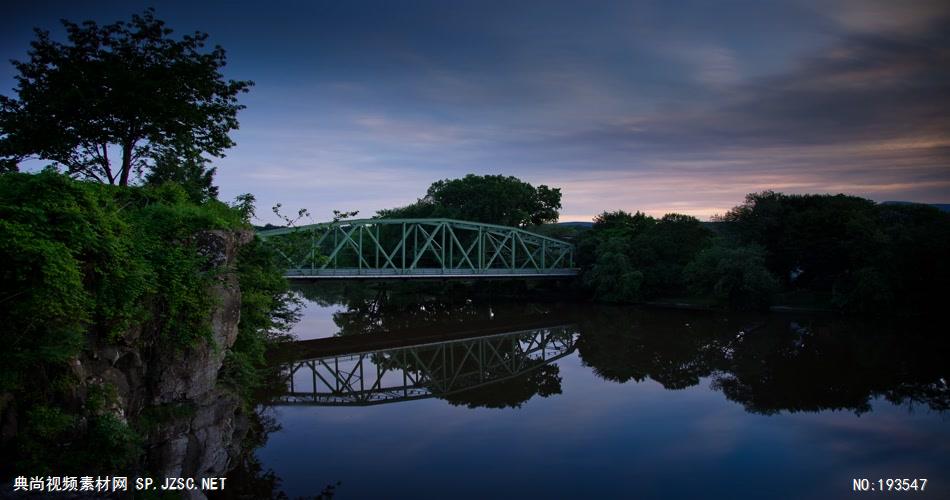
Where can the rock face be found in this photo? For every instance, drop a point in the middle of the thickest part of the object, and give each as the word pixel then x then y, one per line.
pixel 201 426
pixel 177 374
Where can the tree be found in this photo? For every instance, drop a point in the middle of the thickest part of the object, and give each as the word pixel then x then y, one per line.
pixel 627 257
pixel 493 199
pixel 822 238
pixel 664 249
pixel 736 276
pixel 612 277
pixel 189 171
pixel 126 89
pixel 621 223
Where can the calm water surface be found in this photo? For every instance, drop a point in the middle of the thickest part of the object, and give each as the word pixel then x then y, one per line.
pixel 431 398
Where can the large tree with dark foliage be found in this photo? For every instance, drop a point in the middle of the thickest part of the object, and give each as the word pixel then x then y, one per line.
pixel 493 199
pixel 869 257
pixel 632 257
pixel 114 97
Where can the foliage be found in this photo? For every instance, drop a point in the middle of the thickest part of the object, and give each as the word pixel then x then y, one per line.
pixel 268 310
pixel 907 271
pixel 86 262
pixel 292 221
pixel 633 257
pixel 244 204
pixel 868 257
pixel 612 277
pixel 822 237
pixel 127 88
pixel 848 252
pixel 493 199
pixel 617 225
pixel 339 215
pixel 61 241
pixel 190 172
pixel 665 250
pixel 53 438
pixel 559 231
pixel 735 276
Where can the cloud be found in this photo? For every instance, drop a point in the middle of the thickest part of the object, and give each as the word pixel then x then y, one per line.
pixel 866 88
pixel 644 106
pixel 868 116
pixel 713 66
pixel 886 16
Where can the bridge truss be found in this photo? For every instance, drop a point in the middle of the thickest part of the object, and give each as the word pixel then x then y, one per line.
pixel 418 248
pixel 422 371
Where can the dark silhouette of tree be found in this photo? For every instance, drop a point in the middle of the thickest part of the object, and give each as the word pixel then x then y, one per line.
pixel 189 171
pixel 771 364
pixel 628 344
pixel 865 257
pixel 493 199
pixel 734 275
pixel 126 89
pixel 632 257
pixel 824 237
pixel 544 380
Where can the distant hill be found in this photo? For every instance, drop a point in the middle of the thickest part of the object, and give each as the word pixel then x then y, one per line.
pixel 944 207
pixel 578 224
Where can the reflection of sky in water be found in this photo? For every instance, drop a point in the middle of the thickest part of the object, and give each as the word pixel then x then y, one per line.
pixel 316 321
pixel 603 439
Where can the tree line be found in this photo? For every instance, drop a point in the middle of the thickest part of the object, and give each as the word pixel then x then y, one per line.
pixel 830 251
pixel 812 251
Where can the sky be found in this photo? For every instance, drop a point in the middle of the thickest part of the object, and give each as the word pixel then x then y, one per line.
pixel 657 106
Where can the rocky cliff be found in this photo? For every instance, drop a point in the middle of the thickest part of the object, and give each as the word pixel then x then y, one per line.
pixel 193 426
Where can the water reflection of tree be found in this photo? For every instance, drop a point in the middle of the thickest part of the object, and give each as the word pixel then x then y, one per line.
pixel 767 363
pixel 544 381
pixel 403 306
pixel 770 364
pixel 507 380
pixel 621 344
pixel 823 365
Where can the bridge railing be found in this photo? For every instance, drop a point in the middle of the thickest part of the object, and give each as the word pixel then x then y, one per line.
pixel 417 247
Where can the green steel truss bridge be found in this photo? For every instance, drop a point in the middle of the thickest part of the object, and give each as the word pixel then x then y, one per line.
pixel 436 369
pixel 418 248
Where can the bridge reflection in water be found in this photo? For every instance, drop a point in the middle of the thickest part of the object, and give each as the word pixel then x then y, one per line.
pixel 432 369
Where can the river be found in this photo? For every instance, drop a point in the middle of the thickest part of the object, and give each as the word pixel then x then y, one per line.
pixel 420 396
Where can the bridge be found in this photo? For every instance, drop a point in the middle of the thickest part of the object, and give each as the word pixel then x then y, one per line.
pixel 432 369
pixel 418 248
